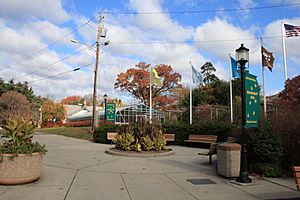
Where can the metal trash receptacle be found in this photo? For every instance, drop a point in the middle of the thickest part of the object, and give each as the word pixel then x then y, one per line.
pixel 228 159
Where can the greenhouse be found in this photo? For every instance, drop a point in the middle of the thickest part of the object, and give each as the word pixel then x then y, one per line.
pixel 126 114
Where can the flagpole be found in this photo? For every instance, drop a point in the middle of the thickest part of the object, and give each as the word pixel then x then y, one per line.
pixel 230 89
pixel 191 97
pixel 263 80
pixel 283 48
pixel 150 98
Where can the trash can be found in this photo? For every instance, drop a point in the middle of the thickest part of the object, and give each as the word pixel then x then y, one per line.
pixel 228 159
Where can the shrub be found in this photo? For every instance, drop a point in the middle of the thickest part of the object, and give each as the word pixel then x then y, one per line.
pixel 159 142
pixel 265 150
pixel 85 123
pixel 182 131
pixel 51 124
pixel 124 141
pixel 100 134
pixel 147 143
pixel 20 133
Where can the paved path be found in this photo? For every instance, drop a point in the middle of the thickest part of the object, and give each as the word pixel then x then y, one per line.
pixel 77 169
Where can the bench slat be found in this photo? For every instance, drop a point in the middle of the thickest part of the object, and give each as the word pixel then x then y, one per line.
pixel 169 137
pixel 111 135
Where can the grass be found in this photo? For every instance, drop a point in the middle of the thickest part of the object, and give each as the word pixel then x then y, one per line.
pixel 75 132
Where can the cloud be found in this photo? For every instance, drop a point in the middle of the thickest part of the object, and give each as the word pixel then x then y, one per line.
pixel 20 11
pixel 208 38
pixel 244 4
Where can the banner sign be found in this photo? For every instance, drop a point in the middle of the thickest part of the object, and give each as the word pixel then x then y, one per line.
pixel 252 100
pixel 110 112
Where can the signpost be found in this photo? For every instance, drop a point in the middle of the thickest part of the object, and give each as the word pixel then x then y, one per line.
pixel 252 100
pixel 110 112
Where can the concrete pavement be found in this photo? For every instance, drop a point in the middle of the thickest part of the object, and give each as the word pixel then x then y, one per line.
pixel 78 169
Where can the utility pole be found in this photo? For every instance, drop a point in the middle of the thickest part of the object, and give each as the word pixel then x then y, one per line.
pixel 94 117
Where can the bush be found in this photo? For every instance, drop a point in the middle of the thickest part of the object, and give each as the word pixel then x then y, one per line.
pixel 51 124
pixel 182 131
pixel 124 141
pixel 265 150
pixel 85 123
pixel 100 134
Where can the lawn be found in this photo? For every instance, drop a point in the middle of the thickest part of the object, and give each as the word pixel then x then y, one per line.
pixel 75 132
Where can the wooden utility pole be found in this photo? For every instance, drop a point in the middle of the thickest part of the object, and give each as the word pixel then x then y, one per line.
pixel 95 114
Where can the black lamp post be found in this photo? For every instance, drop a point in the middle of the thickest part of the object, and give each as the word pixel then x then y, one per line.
pixel 242 57
pixel 105 97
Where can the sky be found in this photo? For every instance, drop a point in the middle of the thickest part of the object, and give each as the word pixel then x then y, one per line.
pixel 35 40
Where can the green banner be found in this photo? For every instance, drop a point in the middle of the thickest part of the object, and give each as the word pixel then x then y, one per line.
pixel 252 100
pixel 110 112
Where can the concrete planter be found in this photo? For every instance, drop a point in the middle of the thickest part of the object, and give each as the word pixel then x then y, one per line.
pixel 22 169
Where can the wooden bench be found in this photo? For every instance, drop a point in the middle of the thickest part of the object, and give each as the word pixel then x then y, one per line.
pixel 296 170
pixel 212 151
pixel 169 137
pixel 111 136
pixel 202 139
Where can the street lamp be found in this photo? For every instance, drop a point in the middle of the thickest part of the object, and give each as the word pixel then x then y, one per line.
pixel 105 97
pixel 242 57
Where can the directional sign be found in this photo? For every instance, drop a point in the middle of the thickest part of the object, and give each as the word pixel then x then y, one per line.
pixel 110 112
pixel 252 100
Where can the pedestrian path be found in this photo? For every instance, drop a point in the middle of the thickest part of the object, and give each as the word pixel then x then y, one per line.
pixel 78 169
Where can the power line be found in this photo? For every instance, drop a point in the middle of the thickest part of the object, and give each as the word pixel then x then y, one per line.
pixel 172 17
pixel 50 45
pixel 65 72
pixel 201 11
pixel 58 61
pixel 190 42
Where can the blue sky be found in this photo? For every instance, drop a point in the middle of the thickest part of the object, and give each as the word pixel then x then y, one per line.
pixel 28 28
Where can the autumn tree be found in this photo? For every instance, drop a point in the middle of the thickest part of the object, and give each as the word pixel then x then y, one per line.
pixel 13 103
pixel 136 82
pixel 72 100
pixel 53 111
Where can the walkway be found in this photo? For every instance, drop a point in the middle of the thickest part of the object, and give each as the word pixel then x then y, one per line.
pixel 77 169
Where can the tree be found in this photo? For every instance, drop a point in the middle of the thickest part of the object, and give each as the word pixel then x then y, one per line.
pixel 12 104
pixel 72 100
pixel 291 92
pixel 136 82
pixel 53 111
pixel 22 88
pixel 207 71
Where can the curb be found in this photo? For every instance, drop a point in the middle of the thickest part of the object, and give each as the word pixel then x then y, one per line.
pixel 114 152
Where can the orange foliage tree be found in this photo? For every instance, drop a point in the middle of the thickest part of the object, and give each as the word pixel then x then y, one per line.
pixel 136 82
pixel 72 100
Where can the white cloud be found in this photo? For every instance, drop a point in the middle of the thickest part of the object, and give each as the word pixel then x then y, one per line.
pixel 19 10
pixel 220 38
pixel 244 4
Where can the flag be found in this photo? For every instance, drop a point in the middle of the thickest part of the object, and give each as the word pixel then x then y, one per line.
pixel 267 58
pixel 234 67
pixel 155 78
pixel 291 30
pixel 197 77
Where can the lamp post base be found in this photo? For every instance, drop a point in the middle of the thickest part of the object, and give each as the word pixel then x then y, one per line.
pixel 244 178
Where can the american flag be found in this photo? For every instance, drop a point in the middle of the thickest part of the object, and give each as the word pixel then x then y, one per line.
pixel 292 31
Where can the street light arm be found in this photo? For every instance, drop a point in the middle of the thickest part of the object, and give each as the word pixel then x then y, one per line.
pixel 90 46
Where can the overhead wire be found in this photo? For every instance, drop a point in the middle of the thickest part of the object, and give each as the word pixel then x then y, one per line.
pixel 50 45
pixel 58 61
pixel 202 11
pixel 62 73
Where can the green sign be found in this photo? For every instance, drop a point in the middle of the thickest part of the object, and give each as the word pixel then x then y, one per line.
pixel 252 100
pixel 110 112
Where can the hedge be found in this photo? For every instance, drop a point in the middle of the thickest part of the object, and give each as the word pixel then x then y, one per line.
pixel 183 130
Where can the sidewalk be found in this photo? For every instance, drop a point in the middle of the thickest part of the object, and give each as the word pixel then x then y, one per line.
pixel 77 169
